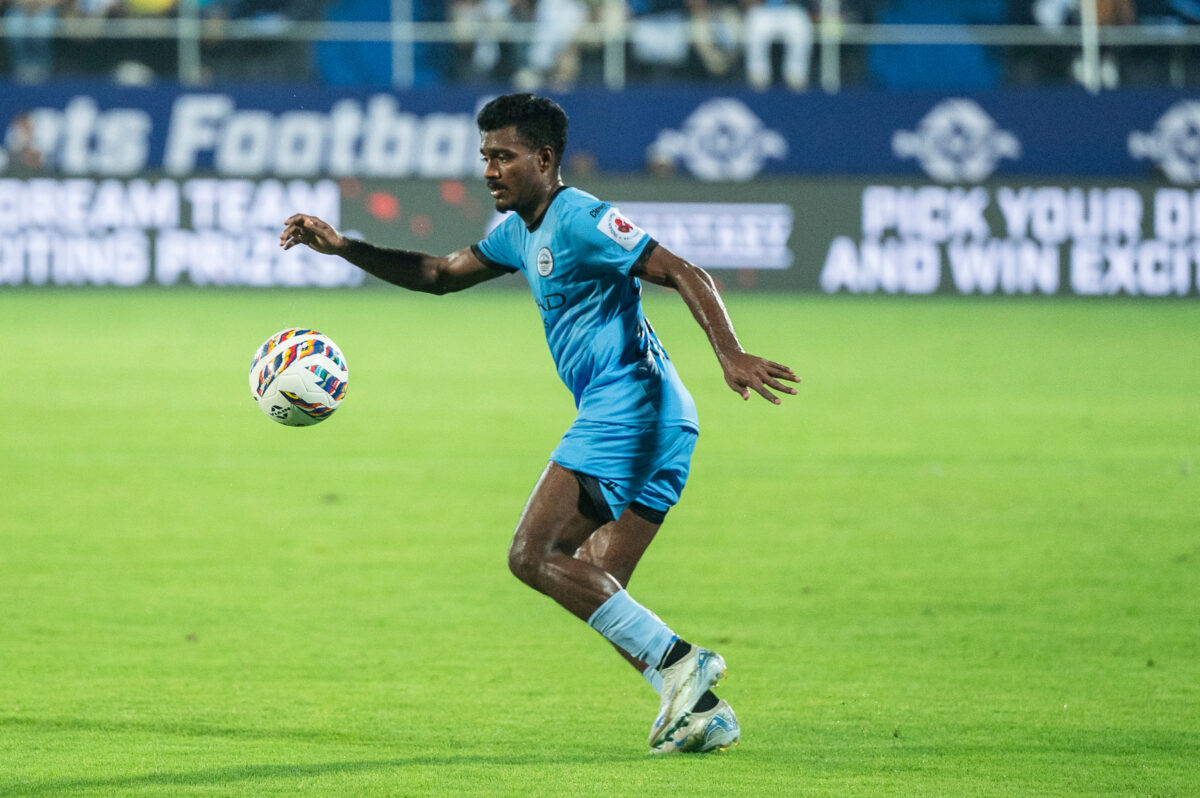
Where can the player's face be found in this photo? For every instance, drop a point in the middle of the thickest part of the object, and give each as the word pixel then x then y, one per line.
pixel 515 174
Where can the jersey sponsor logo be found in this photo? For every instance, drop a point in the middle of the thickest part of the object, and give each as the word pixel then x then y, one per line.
pixel 594 212
pixel 545 261
pixel 620 229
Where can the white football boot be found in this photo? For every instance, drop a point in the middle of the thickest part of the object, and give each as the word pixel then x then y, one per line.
pixel 714 730
pixel 682 685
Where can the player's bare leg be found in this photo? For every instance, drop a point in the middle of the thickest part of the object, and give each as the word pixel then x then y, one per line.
pixel 558 521
pixel 553 526
pixel 617 548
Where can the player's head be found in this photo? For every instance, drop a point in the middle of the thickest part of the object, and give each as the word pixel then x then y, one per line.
pixel 539 121
pixel 524 137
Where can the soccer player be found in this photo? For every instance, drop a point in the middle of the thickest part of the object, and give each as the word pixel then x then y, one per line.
pixel 623 463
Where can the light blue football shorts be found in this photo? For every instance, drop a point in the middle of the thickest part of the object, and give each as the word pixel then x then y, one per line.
pixel 646 467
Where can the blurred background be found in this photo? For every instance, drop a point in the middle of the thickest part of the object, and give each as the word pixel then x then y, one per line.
pixel 897 146
pixel 531 44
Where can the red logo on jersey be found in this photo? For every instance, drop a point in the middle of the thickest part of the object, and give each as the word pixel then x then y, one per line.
pixel 621 225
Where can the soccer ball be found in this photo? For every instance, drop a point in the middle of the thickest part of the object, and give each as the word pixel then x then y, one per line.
pixel 298 377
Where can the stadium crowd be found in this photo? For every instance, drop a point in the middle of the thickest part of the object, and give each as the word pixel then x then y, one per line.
pixel 759 43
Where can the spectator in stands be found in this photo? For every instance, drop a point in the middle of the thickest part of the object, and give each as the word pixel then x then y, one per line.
pixel 86 56
pixel 783 21
pixel 658 36
pixel 674 39
pixel 714 28
pixel 30 38
pixel 279 60
pixel 93 9
pixel 476 21
pixel 1054 15
pixel 551 56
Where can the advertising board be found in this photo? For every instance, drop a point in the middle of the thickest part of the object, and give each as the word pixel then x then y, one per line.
pixel 723 136
pixel 1086 238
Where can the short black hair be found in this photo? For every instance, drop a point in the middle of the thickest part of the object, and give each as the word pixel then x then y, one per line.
pixel 539 120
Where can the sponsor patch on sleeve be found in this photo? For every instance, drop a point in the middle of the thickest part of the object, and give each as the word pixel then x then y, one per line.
pixel 620 229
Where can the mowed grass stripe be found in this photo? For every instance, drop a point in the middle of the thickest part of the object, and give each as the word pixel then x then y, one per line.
pixel 964 561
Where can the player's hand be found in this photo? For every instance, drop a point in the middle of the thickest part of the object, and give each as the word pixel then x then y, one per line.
pixel 745 372
pixel 312 232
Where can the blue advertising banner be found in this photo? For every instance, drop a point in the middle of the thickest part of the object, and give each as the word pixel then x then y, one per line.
pixel 299 132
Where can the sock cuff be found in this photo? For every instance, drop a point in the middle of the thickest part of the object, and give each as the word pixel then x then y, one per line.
pixel 632 627
pixel 652 675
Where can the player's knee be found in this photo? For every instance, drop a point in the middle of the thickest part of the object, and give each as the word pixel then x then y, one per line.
pixel 524 562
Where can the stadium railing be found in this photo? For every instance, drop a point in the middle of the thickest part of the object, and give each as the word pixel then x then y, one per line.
pixel 187 30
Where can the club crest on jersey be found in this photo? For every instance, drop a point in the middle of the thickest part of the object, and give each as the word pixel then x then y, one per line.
pixel 620 229
pixel 545 261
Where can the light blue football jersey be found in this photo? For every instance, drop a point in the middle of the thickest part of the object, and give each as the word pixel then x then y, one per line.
pixel 578 259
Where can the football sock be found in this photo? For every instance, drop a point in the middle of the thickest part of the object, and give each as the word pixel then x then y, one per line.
pixel 675 653
pixel 652 675
pixel 632 627
pixel 705 702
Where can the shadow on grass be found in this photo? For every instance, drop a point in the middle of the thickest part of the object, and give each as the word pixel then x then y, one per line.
pixel 56 725
pixel 247 773
pixel 233 774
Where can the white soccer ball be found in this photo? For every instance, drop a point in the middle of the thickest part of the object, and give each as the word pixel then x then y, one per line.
pixel 298 377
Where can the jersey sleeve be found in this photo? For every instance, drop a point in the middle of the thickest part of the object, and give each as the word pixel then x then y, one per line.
pixel 498 250
pixel 611 240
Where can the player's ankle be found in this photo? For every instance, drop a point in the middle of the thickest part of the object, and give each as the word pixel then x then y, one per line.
pixel 705 702
pixel 676 652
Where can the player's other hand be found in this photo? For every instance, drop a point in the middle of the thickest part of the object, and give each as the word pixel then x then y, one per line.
pixel 312 232
pixel 745 373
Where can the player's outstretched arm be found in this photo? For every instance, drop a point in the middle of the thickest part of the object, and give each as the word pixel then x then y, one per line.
pixel 413 270
pixel 743 372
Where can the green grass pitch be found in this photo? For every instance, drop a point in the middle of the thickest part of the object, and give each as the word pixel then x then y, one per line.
pixel 965 561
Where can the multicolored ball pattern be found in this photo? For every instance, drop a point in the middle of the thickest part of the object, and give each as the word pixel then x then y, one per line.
pixel 298 377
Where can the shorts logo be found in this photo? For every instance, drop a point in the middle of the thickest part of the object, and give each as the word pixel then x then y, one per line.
pixel 545 262
pixel 620 229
